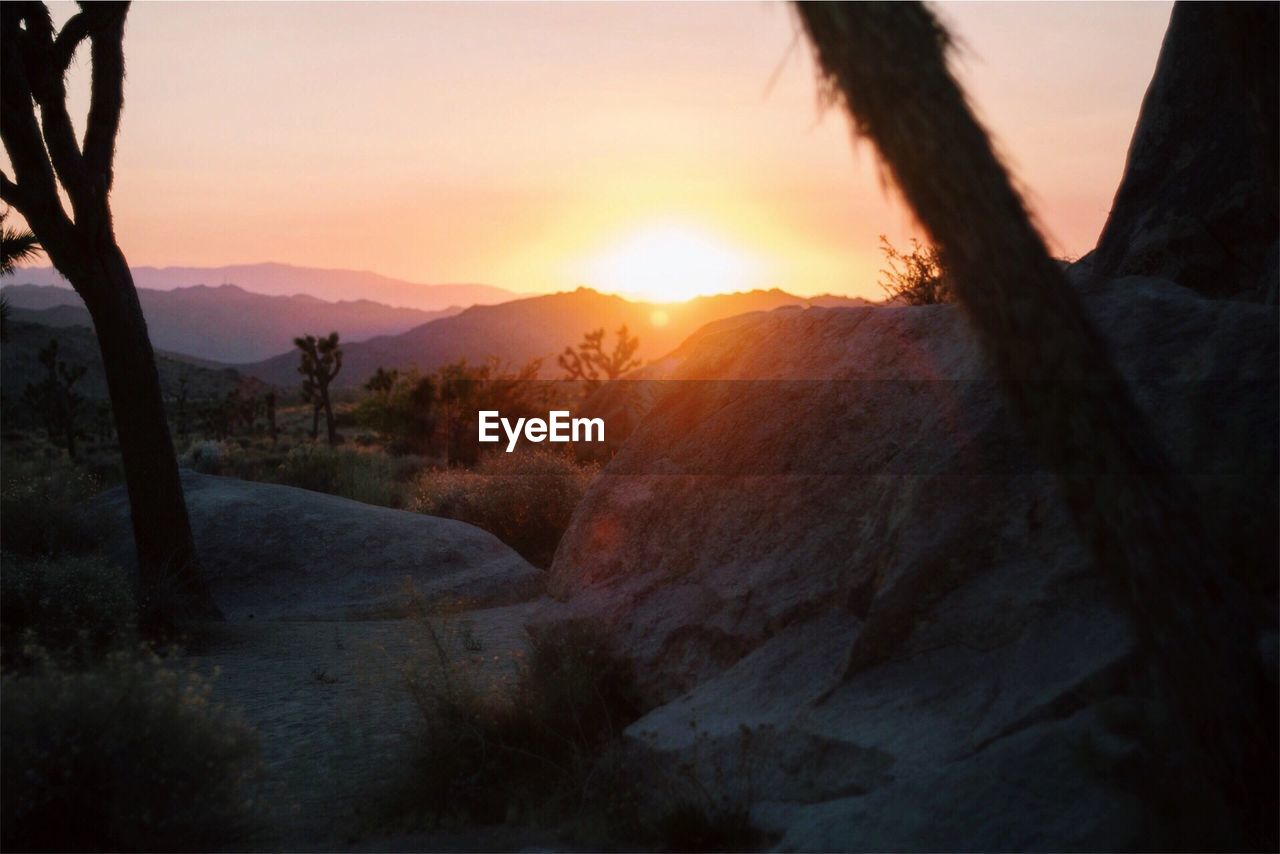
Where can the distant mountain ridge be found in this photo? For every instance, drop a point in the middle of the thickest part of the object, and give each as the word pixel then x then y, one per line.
pixel 539 327
pixel 226 323
pixel 20 365
pixel 274 279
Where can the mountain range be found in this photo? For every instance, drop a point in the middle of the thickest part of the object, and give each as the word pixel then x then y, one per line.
pixel 274 279
pixel 538 327
pixel 78 347
pixel 226 323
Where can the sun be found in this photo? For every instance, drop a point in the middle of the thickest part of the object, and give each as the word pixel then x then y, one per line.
pixel 672 263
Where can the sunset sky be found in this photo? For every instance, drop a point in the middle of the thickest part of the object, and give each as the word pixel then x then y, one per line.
pixel 538 147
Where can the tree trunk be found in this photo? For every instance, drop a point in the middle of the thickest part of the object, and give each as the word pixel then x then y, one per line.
pixel 170 583
pixel 1133 510
pixel 71 424
pixel 315 420
pixel 328 415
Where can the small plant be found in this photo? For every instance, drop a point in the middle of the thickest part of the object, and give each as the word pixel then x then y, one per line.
pixel 127 755
pixel 526 499
pixel 917 277
pixel 40 509
pixel 77 605
pixel 206 457
pixel 367 477
pixel 527 752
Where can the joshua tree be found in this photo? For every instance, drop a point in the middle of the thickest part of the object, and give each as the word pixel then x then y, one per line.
pixel 382 381
pixel 319 362
pixel 887 63
pixel 56 397
pixel 590 360
pixel 180 405
pixel 271 414
pixel 44 153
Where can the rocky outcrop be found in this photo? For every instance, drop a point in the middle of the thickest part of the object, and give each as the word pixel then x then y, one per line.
pixel 857 601
pixel 1198 200
pixel 276 552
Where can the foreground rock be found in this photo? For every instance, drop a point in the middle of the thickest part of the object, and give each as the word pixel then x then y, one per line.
pixel 860 605
pixel 276 552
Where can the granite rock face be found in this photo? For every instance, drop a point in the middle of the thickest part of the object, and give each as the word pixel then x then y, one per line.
pixel 856 600
pixel 277 552
pixel 1198 202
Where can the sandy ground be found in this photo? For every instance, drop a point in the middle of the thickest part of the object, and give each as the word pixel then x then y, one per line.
pixel 330 703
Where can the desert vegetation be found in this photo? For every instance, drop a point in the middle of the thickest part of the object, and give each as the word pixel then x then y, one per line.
pixel 915 277
pixel 966 574
pixel 541 745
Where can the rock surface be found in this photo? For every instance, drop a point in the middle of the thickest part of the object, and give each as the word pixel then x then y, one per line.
pixel 858 603
pixel 280 553
pixel 1198 200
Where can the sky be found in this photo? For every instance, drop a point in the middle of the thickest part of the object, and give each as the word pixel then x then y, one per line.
pixel 653 149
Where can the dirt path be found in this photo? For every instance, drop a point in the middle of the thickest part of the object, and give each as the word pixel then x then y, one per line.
pixel 330 703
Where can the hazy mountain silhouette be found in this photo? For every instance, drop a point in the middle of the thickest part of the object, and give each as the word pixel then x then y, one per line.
pixel 77 345
pixel 535 327
pixel 226 323
pixel 274 279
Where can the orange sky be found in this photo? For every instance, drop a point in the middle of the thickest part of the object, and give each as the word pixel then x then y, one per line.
pixel 543 146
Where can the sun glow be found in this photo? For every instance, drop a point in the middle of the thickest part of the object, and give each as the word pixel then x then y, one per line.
pixel 672 263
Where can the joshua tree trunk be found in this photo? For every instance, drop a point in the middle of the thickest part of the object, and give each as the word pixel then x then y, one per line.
pixel 84 249
pixel 328 415
pixel 162 531
pixel 887 62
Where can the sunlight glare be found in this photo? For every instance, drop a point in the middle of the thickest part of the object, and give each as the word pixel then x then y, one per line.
pixel 672 263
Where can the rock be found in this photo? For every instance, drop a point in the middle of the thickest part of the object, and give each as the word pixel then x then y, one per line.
pixel 856 599
pixel 277 552
pixel 1197 203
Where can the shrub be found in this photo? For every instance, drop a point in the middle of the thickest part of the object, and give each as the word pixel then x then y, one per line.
pixel 39 508
pixel 207 457
pixel 77 605
pixel 128 755
pixel 360 476
pixel 546 749
pixel 486 756
pixel 917 277
pixel 526 498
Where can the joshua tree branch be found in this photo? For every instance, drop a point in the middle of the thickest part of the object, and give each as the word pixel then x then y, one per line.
pixel 107 89
pixel 73 33
pixel 887 62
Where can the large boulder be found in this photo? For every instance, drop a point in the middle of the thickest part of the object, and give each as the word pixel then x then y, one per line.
pixel 1198 202
pixel 276 552
pixel 857 601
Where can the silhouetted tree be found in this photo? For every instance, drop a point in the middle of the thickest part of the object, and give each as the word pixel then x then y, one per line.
pixel 271 414
pixel 320 361
pixel 33 64
pixel 55 396
pixel 887 63
pixel 590 361
pixel 382 381
pixel 180 405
